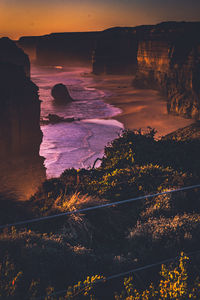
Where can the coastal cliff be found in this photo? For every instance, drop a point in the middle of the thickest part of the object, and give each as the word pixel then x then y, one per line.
pixel 20 132
pixel 28 45
pixel 165 57
pixel 10 53
pixel 115 52
pixel 66 48
pixel 168 59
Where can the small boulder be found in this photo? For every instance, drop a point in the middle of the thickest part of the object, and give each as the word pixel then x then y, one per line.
pixel 60 93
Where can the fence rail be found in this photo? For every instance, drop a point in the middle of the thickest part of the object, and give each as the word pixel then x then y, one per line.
pixel 116 203
pixel 99 206
pixel 118 275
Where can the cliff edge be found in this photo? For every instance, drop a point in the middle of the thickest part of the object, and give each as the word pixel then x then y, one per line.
pixel 20 131
pixel 168 59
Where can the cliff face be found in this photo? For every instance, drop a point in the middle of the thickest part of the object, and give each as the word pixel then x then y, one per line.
pixel 66 48
pixel 109 52
pixel 10 53
pixel 183 86
pixel 20 106
pixel 153 63
pixel 28 45
pixel 20 132
pixel 164 56
pixel 115 52
pixel 168 59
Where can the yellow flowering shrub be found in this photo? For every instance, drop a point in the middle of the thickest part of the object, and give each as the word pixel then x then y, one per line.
pixel 85 288
pixel 9 278
pixel 173 285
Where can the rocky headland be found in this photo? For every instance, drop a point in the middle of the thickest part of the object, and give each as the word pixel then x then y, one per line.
pixel 28 45
pixel 10 53
pixel 168 59
pixel 165 57
pixel 21 166
pixel 66 48
pixel 115 52
pixel 46 257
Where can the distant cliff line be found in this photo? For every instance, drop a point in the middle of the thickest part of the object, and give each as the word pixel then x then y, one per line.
pixel 165 56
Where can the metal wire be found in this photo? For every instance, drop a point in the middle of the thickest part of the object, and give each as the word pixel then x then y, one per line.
pixel 98 206
pixel 121 274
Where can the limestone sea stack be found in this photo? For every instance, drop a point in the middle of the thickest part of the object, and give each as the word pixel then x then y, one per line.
pixel 61 94
pixel 21 167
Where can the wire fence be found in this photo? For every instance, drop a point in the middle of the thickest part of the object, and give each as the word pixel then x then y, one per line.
pixel 116 203
pixel 99 206
pixel 118 275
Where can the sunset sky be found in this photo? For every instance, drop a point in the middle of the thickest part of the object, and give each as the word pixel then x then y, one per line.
pixel 37 17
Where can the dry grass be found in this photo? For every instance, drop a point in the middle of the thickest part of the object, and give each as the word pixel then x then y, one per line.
pixel 76 201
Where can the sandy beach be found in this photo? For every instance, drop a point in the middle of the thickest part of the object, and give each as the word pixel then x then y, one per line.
pixel 140 108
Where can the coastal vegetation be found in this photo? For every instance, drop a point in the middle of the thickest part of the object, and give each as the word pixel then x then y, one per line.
pixel 44 257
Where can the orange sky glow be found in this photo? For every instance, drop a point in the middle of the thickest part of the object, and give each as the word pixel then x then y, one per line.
pixel 20 17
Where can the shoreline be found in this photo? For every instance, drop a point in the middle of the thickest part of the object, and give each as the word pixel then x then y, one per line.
pixel 139 108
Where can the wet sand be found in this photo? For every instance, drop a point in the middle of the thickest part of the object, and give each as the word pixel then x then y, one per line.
pixel 140 108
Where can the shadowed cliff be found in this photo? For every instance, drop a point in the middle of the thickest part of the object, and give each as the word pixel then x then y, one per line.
pixel 21 167
pixel 115 52
pixel 165 56
pixel 28 44
pixel 65 48
pixel 168 59
pixel 10 53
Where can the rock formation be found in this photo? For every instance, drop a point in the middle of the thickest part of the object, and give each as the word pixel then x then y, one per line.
pixel 60 94
pixel 20 132
pixel 164 56
pixel 168 59
pixel 28 45
pixel 10 53
pixel 115 52
pixel 66 48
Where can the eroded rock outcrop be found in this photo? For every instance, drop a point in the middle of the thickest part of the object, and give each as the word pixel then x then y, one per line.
pixel 61 94
pixel 115 52
pixel 168 59
pixel 28 45
pixel 164 56
pixel 20 133
pixel 10 53
pixel 73 48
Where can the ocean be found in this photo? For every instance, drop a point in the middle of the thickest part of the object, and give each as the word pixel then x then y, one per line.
pixel 79 143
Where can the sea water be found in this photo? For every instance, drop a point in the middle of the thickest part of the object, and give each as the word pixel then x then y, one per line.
pixel 77 144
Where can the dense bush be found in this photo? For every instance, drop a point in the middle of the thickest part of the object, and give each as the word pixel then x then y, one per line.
pixel 60 251
pixel 174 284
